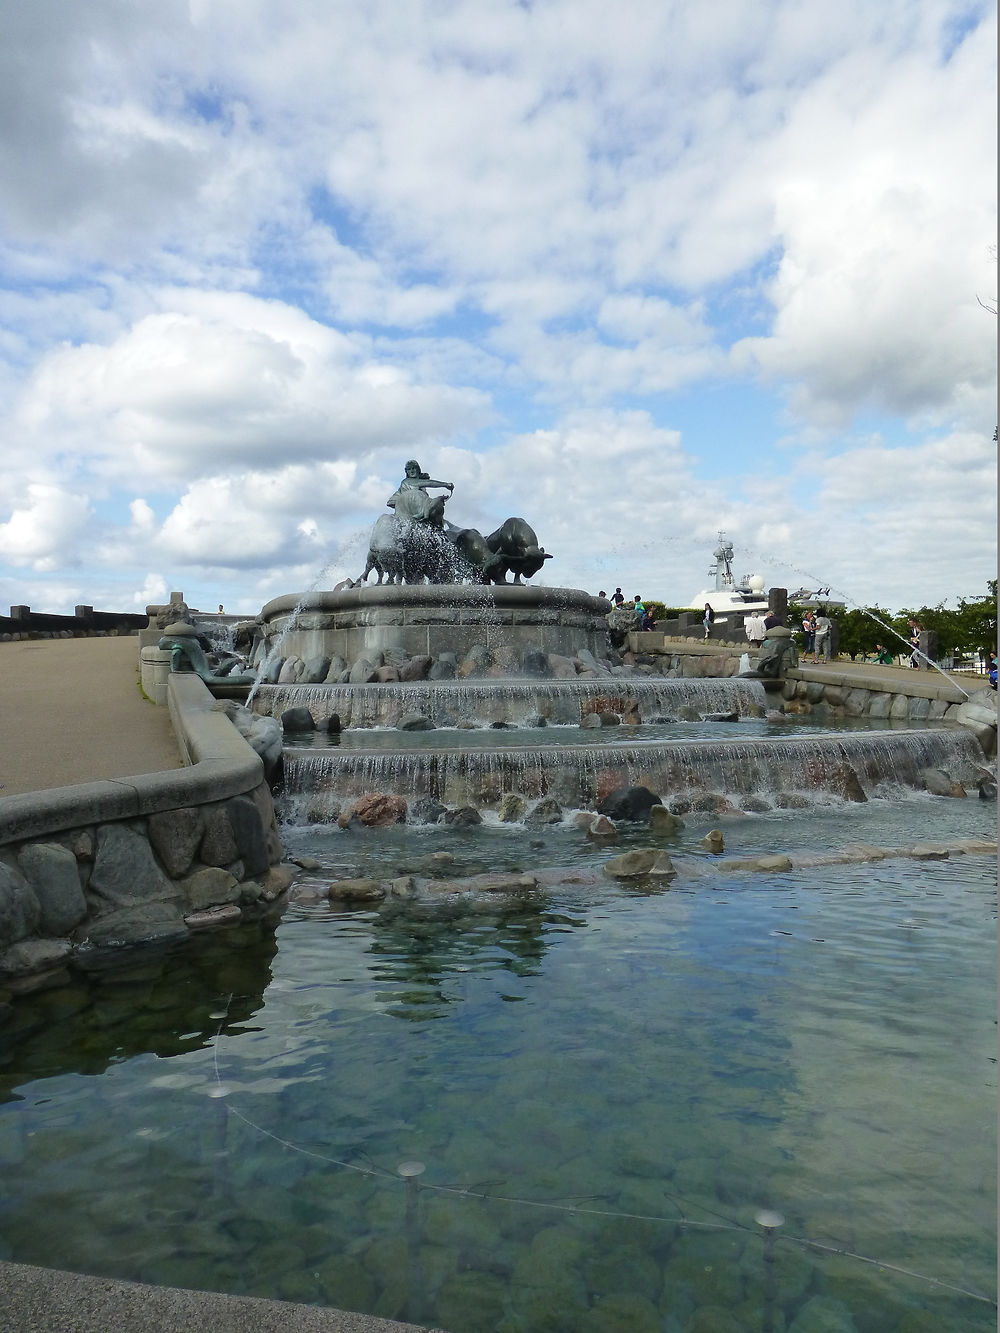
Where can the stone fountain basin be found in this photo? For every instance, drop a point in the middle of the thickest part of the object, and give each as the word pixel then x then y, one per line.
pixel 428 618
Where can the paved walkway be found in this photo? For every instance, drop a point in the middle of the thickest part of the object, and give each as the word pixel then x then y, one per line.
pixel 71 710
pixel 44 1300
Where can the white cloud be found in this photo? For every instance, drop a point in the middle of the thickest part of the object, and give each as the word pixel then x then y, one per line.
pixel 259 255
pixel 227 379
pixel 44 528
pixel 884 234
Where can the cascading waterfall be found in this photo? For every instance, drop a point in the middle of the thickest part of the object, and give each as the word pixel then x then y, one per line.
pixel 513 701
pixel 855 765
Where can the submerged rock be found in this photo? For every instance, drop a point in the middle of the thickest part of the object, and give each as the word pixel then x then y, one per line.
pixel 927 851
pixel 463 816
pixel 297 719
pixel 356 890
pixel 512 807
pixel 630 803
pixel 713 842
pixel 770 862
pixel 639 863
pixel 374 810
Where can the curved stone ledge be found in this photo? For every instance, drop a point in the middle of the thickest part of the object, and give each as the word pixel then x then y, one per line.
pixel 220 764
pixel 419 619
pixel 451 596
pixel 147 859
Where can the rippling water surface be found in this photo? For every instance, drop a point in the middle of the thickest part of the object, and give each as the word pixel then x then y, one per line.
pixel 602 1086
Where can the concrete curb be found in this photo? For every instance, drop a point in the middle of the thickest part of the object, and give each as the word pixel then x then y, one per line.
pixel 46 1300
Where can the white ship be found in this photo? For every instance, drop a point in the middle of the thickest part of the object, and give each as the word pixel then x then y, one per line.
pixel 750 592
pixel 730 593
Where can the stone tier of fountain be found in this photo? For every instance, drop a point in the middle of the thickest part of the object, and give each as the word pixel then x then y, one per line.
pixel 514 702
pixel 776 771
pixel 507 620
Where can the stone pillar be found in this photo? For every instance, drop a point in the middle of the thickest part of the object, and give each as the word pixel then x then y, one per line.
pixel 834 643
pixel 154 665
pixel 777 603
pixel 684 623
pixel 928 647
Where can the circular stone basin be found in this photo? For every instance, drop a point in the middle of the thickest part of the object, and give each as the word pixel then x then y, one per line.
pixel 435 619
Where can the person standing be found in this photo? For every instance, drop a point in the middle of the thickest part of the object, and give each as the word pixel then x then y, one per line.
pixel 915 631
pixel 708 619
pixel 821 641
pixel 618 597
pixel 809 634
pixel 638 610
pixel 754 628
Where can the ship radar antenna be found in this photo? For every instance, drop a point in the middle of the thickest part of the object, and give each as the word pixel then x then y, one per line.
pixel 723 567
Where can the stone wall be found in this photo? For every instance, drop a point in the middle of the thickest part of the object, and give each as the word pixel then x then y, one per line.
pixel 145 860
pixel 23 623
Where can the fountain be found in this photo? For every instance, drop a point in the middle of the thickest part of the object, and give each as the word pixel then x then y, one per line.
pixel 398 688
pixel 483 1079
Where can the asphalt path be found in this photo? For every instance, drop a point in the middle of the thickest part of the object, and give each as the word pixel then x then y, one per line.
pixel 72 710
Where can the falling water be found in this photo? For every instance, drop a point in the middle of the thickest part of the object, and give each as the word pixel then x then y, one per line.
pixel 514 702
pixel 274 653
pixel 852 766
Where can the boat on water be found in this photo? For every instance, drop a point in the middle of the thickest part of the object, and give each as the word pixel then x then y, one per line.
pixel 749 593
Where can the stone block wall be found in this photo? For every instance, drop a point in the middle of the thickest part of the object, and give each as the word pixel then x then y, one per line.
pixel 144 861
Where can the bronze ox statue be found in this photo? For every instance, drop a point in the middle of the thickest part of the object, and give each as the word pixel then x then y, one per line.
pixel 416 543
pixel 401 552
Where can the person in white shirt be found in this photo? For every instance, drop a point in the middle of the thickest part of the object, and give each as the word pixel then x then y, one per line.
pixel 753 625
pixel 822 641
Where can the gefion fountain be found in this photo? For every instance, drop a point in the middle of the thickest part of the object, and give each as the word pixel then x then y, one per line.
pixel 489 1074
pixel 446 683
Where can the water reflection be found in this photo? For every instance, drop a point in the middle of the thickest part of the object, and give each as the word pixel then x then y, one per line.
pixel 421 960
pixel 164 1002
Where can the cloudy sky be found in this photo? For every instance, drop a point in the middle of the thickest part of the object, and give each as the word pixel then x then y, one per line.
pixel 636 272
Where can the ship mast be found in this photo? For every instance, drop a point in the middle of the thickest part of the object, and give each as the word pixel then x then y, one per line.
pixel 723 567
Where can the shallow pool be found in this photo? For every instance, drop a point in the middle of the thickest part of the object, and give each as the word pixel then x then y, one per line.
pixel 603 1087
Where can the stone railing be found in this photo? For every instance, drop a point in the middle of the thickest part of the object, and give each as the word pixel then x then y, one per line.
pixel 138 860
pixel 23 623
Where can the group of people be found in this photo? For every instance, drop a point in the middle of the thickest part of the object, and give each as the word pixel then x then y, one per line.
pixel 643 616
pixel 817 632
